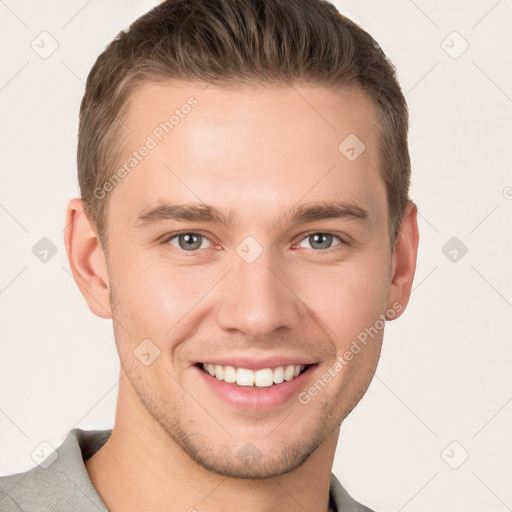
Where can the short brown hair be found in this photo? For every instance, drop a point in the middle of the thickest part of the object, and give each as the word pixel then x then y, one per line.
pixel 237 42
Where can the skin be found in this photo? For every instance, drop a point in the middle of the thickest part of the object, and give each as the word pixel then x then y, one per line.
pixel 258 151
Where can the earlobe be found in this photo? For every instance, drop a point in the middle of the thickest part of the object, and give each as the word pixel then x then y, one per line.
pixel 404 261
pixel 87 259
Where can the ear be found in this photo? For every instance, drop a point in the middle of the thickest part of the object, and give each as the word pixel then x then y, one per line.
pixel 404 260
pixel 87 259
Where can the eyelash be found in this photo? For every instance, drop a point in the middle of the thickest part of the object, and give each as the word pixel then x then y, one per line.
pixel 168 238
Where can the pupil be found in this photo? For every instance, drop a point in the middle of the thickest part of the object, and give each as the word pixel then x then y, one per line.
pixel 191 241
pixel 326 239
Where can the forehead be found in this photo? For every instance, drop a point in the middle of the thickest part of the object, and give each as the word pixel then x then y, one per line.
pixel 248 148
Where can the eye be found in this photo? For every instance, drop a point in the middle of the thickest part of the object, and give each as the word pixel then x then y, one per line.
pixel 321 240
pixel 193 241
pixel 188 241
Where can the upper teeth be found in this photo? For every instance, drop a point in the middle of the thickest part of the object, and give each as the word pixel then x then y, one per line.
pixel 245 377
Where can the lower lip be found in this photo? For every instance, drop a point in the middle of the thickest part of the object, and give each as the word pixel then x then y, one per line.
pixel 253 398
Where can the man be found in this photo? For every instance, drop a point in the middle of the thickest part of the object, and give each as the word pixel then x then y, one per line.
pixel 244 221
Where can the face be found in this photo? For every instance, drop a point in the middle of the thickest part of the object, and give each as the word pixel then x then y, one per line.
pixel 246 238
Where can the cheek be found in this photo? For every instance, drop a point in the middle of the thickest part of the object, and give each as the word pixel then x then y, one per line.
pixel 347 299
pixel 154 297
pixel 152 302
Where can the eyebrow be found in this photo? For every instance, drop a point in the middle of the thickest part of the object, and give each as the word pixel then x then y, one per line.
pixel 300 214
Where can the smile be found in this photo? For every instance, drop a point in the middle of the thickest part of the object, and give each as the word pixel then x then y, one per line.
pixel 264 377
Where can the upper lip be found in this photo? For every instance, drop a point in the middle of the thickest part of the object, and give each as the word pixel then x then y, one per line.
pixel 257 363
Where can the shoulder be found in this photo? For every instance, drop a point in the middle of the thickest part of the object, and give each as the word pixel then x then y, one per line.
pixel 7 483
pixel 60 482
pixel 342 499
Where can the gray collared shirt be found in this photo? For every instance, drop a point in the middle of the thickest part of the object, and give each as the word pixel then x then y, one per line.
pixel 64 485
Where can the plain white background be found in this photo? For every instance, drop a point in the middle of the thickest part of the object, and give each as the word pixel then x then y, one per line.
pixel 443 388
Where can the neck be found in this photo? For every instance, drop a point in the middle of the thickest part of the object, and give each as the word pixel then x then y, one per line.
pixel 141 467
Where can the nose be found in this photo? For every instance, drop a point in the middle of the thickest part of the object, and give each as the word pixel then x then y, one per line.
pixel 258 298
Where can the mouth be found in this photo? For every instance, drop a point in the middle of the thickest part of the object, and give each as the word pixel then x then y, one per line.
pixel 260 378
